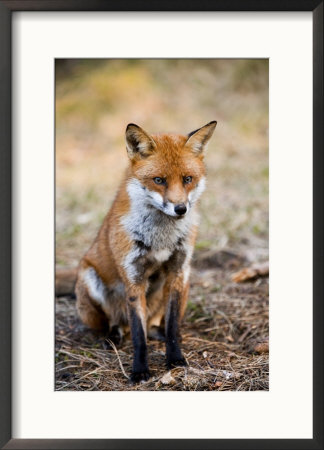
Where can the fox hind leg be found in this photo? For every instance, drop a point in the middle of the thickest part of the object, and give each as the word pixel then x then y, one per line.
pixel 116 334
pixel 99 306
pixel 156 328
pixel 89 312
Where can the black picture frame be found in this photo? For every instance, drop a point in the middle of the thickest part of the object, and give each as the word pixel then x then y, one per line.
pixel 7 7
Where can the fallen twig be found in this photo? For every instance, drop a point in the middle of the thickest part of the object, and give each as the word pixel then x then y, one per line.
pixel 119 360
pixel 249 273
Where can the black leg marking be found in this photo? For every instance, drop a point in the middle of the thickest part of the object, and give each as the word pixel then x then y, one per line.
pixel 140 365
pixel 116 335
pixel 172 331
pixel 156 333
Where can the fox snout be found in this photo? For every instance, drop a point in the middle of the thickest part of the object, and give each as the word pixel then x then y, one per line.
pixel 176 199
pixel 175 209
pixel 180 209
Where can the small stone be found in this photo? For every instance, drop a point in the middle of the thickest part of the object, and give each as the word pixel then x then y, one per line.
pixel 167 379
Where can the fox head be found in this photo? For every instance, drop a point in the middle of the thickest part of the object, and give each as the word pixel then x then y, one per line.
pixel 168 170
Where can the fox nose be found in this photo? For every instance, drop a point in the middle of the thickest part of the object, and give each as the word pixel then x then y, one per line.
pixel 180 209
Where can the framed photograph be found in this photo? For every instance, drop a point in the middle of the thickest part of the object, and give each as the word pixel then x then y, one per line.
pixel 158 162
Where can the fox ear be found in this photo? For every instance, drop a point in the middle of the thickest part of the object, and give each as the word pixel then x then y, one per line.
pixel 198 139
pixel 139 144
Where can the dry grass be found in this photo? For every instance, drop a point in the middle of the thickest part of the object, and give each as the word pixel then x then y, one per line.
pixel 224 321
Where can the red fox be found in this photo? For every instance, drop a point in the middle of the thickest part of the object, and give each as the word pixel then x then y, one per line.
pixel 135 275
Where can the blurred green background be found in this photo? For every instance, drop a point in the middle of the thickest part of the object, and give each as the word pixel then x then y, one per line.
pixel 96 99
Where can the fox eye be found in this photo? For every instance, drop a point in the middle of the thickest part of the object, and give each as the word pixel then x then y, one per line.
pixel 187 180
pixel 159 180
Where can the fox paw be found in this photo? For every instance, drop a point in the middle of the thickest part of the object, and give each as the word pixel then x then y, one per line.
pixel 156 333
pixel 139 377
pixel 179 362
pixel 116 335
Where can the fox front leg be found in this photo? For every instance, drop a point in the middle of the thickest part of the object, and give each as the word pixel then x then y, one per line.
pixel 177 299
pixel 136 308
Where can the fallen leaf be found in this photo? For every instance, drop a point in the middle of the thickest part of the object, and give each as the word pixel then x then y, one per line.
pixel 262 347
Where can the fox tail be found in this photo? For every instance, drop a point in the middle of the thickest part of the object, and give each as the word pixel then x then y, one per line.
pixel 65 280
